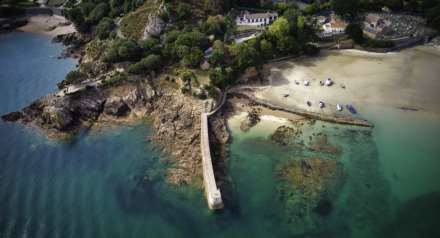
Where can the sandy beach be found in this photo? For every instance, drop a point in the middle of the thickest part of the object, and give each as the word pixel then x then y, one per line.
pixel 406 79
pixel 48 25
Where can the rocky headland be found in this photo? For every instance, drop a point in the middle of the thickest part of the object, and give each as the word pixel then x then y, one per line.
pixel 174 116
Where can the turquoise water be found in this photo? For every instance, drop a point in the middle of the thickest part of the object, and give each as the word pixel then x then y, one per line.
pixel 111 183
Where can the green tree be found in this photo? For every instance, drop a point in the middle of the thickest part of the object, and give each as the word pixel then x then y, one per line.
pixel 215 25
pixel 221 77
pixel 183 11
pixel 193 57
pixel 245 56
pixel 288 45
pixel 193 39
pixel 218 53
pixel 346 8
pixel 77 17
pixel 355 32
pixel 150 45
pixel 267 49
pixel 101 10
pixel 280 28
pixel 128 50
pixel 151 62
pixel 104 28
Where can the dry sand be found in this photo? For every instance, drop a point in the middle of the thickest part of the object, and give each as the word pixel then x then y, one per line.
pixel 43 24
pixel 410 78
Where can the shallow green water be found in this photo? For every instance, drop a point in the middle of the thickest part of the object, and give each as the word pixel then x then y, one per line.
pixel 111 183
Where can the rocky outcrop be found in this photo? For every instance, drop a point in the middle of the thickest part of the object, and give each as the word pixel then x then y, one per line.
pixel 115 106
pixel 75 43
pixel 252 119
pixel 175 118
pixel 155 23
pixel 56 113
pixel 9 24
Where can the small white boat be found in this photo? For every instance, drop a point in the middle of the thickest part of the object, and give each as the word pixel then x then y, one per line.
pixel 306 83
pixel 321 104
pixel 339 107
pixel 328 82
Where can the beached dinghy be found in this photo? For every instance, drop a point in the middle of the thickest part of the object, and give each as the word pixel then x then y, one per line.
pixel 328 82
pixel 306 83
pixel 321 104
pixel 339 107
pixel 351 109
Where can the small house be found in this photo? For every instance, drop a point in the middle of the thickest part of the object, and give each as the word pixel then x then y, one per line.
pixel 256 19
pixel 334 27
pixel 376 26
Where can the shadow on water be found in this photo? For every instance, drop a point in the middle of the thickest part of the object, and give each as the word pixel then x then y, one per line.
pixel 419 217
pixel 142 195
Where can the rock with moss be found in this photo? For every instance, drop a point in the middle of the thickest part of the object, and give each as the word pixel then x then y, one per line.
pixel 285 135
pixel 320 143
pixel 308 187
pixel 252 119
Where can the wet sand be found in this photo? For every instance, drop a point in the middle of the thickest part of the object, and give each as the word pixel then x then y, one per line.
pixel 407 79
pixel 44 23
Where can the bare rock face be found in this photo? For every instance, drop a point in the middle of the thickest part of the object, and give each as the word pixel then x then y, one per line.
pixel 115 106
pixel 60 113
pixel 57 117
pixel 155 24
pixel 13 116
pixel 177 123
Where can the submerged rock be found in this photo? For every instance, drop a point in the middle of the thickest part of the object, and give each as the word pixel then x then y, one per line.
pixel 321 144
pixel 285 135
pixel 251 120
pixel 308 184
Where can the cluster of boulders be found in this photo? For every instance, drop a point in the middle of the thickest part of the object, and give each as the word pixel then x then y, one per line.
pixel 252 119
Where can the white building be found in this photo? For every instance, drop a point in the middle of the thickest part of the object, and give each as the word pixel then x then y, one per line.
pixel 334 27
pixel 256 19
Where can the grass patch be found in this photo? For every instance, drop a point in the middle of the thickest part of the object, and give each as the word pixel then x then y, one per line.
pixel 202 76
pixel 55 2
pixel 245 28
pixel 133 25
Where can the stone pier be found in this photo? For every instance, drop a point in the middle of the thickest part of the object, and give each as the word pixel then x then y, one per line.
pixel 213 194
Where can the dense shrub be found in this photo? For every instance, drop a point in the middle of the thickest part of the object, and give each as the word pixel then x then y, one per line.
pixel 72 77
pixel 149 63
pixel 215 25
pixel 123 50
pixel 104 28
pixel 115 79
pixel 311 49
pixel 100 11
pixel 355 32
pixel 150 45
pixel 183 11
